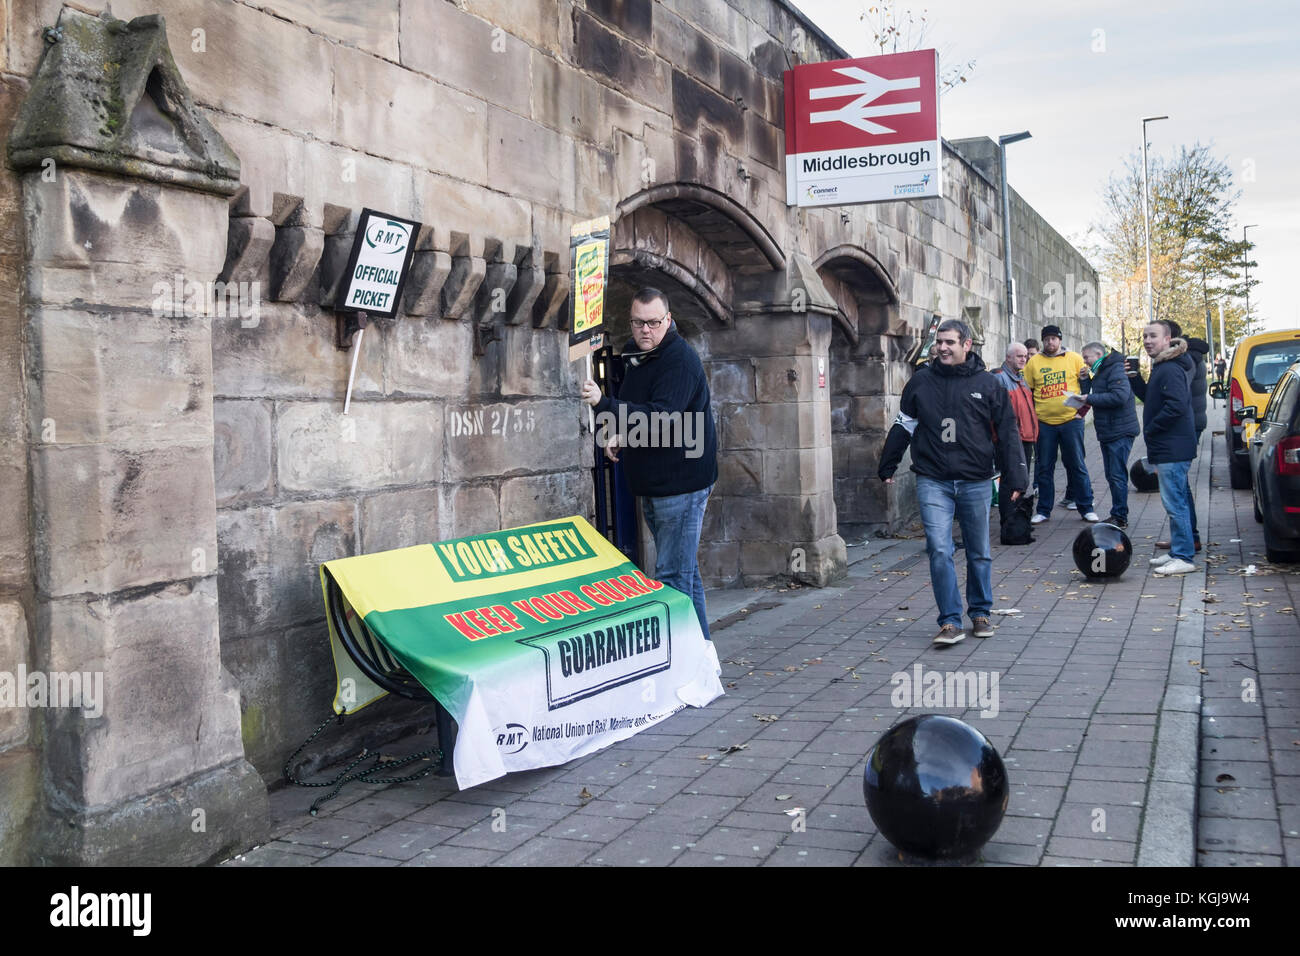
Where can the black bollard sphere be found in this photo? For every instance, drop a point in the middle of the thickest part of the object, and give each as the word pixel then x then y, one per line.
pixel 1144 476
pixel 935 787
pixel 1102 551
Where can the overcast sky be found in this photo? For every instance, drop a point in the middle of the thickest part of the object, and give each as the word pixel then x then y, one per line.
pixel 1225 73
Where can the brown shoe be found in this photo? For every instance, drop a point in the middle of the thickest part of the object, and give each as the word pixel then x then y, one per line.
pixel 949 634
pixel 1164 545
pixel 982 627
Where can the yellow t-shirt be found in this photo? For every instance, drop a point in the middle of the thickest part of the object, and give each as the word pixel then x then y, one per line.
pixel 1051 376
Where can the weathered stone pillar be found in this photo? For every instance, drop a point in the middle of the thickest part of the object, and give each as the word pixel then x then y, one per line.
pixel 125 188
pixel 775 493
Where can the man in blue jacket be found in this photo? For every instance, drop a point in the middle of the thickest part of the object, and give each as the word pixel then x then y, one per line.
pixel 957 419
pixel 665 395
pixel 1115 418
pixel 1196 351
pixel 1170 435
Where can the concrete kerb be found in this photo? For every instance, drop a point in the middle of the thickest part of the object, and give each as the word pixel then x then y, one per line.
pixel 1168 833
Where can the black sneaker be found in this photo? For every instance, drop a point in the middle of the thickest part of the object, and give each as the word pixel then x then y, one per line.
pixel 1116 521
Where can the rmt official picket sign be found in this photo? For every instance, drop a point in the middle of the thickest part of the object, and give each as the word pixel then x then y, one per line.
pixel 377 267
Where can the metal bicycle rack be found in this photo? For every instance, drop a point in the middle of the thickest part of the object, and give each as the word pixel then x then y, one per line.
pixel 386 671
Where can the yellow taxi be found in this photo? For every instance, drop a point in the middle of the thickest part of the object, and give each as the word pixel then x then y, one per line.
pixel 1257 363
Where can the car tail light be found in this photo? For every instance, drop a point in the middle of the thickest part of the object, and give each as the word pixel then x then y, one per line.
pixel 1288 456
pixel 1237 401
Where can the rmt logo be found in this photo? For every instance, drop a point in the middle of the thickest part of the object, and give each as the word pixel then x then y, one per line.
pixel 512 739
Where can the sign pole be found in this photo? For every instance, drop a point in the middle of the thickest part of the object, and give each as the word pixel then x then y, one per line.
pixel 591 412
pixel 356 351
pixel 589 267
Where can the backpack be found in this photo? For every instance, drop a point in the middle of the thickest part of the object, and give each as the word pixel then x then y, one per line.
pixel 1015 525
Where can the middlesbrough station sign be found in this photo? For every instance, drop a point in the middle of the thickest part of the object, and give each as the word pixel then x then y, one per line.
pixel 864 130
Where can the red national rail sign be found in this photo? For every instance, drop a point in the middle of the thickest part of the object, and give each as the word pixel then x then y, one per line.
pixel 864 130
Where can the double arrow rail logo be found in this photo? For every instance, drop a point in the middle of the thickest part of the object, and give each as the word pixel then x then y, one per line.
pixel 867 88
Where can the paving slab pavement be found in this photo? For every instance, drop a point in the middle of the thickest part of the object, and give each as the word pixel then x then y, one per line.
pixel 1143 721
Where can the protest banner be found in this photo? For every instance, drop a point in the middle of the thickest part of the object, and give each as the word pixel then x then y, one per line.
pixel 543 642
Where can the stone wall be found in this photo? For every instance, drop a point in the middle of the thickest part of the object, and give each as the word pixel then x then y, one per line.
pixel 1055 284
pixel 497 125
pixel 19 781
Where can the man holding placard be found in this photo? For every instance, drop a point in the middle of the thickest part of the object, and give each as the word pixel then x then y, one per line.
pixel 662 426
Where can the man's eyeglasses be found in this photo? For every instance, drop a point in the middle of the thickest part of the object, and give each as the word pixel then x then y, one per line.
pixel 647 323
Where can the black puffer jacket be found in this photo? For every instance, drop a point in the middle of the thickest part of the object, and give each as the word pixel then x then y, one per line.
pixel 1167 426
pixel 1199 350
pixel 949 415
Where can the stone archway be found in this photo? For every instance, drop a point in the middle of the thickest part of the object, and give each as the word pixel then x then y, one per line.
pixel 867 343
pixel 759 321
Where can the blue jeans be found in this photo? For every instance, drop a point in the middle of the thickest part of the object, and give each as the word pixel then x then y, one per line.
pixel 1114 456
pixel 1176 497
pixel 1191 495
pixel 969 501
pixel 1069 438
pixel 675 522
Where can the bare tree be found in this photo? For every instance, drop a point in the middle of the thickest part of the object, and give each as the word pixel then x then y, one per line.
pixel 1195 261
pixel 900 31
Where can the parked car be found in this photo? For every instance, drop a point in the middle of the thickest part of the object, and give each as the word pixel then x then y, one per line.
pixel 1257 363
pixel 1274 448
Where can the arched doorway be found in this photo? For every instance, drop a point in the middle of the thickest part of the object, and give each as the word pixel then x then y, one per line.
pixel 730 290
pixel 867 346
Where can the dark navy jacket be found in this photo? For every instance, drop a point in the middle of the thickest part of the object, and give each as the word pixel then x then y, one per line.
pixel 1199 350
pixel 1167 424
pixel 1111 398
pixel 669 378
pixel 968 405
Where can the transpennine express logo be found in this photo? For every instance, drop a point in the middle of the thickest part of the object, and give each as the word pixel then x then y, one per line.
pixel 387 237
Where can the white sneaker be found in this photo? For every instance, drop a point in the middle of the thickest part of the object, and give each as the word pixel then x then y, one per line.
pixel 1091 516
pixel 1176 566
pixel 1038 519
pixel 1159 560
pixel 1069 506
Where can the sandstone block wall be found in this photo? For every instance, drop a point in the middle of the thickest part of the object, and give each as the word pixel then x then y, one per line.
pixel 497 125
pixel 1055 284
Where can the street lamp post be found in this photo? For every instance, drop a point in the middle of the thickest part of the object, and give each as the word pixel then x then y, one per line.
pixel 1146 216
pixel 1006 224
pixel 1245 256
